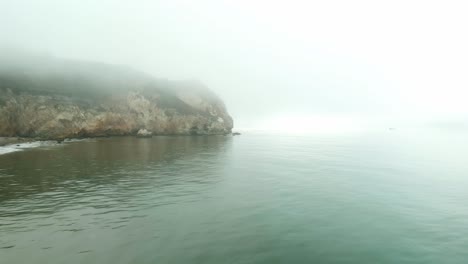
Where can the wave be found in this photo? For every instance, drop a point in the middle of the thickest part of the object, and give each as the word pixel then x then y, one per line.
pixel 23 146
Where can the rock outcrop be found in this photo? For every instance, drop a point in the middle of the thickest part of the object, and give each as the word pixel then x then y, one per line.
pixel 50 98
pixel 144 133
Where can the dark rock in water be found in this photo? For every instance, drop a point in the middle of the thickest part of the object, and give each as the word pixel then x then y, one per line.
pixel 49 98
pixel 236 134
pixel 6 247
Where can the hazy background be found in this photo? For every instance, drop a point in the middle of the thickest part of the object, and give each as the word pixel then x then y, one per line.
pixel 306 65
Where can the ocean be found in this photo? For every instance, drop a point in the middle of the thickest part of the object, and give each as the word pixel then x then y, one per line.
pixel 381 197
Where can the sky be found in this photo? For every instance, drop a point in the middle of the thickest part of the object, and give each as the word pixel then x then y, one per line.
pixel 306 64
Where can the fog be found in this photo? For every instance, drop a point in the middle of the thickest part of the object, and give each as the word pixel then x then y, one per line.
pixel 276 64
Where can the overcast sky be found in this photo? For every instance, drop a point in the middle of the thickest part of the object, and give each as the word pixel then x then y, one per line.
pixel 271 60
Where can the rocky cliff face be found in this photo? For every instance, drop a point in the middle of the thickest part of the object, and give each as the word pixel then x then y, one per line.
pixel 50 98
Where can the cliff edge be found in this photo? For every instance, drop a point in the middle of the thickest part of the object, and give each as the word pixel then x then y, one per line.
pixel 46 97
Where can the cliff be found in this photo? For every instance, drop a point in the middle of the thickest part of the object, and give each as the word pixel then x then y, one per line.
pixel 46 97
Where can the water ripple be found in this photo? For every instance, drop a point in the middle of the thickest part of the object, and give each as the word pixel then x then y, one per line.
pixel 250 199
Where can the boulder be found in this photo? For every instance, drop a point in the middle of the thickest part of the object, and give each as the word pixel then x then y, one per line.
pixel 143 133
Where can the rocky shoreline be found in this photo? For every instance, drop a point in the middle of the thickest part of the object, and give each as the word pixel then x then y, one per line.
pixel 5 141
pixel 9 141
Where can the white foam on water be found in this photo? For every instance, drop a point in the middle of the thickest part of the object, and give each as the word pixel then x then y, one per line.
pixel 7 149
pixel 22 146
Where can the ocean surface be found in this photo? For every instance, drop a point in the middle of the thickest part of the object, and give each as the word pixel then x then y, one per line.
pixel 382 197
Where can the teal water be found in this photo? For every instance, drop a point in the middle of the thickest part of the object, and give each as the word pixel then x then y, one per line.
pixel 388 197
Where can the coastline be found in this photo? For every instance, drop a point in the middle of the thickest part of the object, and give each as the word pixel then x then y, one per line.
pixel 14 144
pixel 6 141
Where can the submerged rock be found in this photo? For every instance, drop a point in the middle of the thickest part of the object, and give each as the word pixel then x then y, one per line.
pixel 236 134
pixel 57 99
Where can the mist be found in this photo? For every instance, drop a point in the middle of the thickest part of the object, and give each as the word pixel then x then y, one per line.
pixel 296 64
